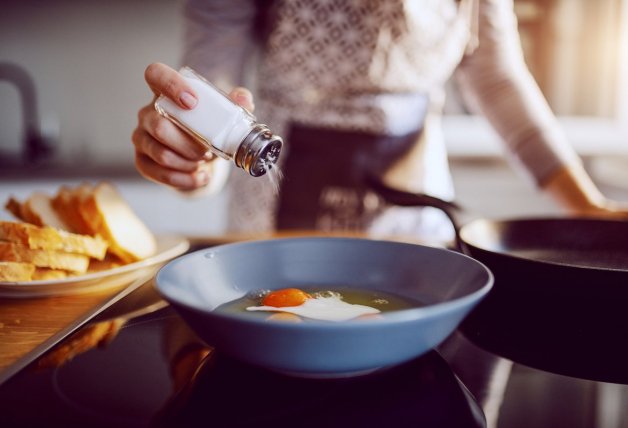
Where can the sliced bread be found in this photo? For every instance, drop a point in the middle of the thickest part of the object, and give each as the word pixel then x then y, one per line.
pixel 15 207
pixel 48 238
pixel 16 271
pixel 12 252
pixel 109 262
pixel 66 203
pixel 109 215
pixel 38 210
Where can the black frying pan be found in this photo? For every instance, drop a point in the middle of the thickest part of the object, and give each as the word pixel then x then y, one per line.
pixel 560 300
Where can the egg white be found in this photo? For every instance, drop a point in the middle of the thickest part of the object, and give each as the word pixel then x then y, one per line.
pixel 322 308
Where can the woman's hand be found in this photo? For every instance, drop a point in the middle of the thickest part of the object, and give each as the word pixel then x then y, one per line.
pixel 576 192
pixel 163 152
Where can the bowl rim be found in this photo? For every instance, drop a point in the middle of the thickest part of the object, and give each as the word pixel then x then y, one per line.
pixel 389 317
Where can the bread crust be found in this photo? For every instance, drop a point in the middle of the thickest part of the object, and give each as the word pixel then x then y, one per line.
pixel 66 203
pixel 51 239
pixel 15 207
pixel 46 274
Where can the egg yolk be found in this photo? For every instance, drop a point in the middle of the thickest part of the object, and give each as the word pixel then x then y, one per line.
pixel 285 297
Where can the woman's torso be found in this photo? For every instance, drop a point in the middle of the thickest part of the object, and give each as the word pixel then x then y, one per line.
pixel 355 66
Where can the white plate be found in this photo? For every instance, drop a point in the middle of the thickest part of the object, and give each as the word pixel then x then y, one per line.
pixel 168 247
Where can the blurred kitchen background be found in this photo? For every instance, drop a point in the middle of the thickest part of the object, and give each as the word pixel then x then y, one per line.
pixel 86 61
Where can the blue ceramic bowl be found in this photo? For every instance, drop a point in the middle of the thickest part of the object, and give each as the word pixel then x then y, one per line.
pixel 448 283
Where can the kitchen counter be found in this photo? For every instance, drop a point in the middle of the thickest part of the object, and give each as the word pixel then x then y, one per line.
pixel 151 369
pixel 31 326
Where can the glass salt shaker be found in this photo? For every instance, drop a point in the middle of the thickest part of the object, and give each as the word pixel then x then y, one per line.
pixel 223 127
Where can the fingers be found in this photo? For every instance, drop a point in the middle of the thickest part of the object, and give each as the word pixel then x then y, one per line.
pixel 161 154
pixel 243 98
pixel 167 81
pixel 168 134
pixel 166 155
pixel 178 179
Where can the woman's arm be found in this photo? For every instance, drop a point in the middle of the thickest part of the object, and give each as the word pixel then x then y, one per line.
pixel 497 82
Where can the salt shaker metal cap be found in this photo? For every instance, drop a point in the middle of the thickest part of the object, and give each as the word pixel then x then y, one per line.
pixel 259 151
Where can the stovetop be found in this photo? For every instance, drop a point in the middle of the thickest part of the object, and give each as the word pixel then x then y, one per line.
pixel 129 368
pixel 140 378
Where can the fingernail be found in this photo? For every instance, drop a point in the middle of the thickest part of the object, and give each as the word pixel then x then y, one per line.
pixel 243 99
pixel 187 99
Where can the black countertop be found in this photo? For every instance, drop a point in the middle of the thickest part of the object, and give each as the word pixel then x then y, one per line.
pixel 151 370
pixel 154 372
pixel 132 382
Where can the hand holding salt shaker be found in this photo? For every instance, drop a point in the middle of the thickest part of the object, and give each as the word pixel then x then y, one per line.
pixel 223 127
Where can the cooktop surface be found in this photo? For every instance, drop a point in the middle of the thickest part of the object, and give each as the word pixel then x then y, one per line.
pixel 138 364
pixel 153 371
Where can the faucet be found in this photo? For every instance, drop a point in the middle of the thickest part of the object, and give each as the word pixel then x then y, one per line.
pixel 35 147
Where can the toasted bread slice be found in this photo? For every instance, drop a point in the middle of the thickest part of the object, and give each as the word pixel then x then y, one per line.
pixel 38 210
pixel 81 192
pixel 16 271
pixel 16 208
pixel 48 238
pixel 109 262
pixel 66 204
pixel 108 213
pixel 12 252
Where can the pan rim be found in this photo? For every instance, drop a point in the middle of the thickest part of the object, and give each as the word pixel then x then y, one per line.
pixel 466 228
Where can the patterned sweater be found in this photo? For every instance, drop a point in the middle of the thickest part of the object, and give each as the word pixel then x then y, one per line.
pixel 365 65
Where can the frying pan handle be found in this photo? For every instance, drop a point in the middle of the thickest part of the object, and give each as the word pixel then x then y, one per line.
pixel 402 198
